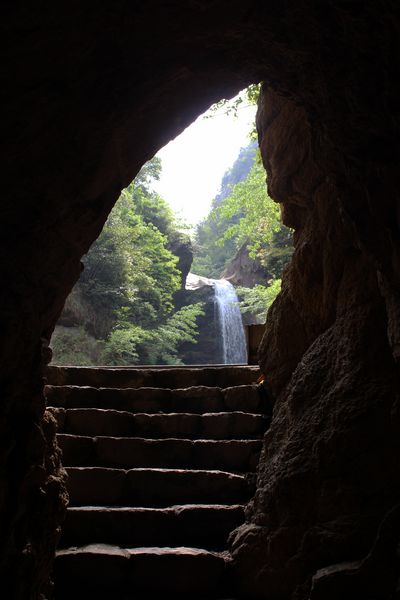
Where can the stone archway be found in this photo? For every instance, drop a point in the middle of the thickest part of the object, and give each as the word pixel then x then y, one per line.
pixel 92 92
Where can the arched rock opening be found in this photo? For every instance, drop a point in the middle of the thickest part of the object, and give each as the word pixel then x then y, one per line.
pixel 91 93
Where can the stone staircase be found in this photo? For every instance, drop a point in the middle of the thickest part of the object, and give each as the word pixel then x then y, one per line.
pixel 161 463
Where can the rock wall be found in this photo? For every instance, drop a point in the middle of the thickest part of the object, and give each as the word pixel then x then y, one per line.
pixel 89 92
pixel 208 348
pixel 32 484
pixel 329 473
pixel 245 271
pixel 181 247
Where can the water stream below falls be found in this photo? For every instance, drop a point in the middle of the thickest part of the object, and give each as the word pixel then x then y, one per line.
pixel 230 323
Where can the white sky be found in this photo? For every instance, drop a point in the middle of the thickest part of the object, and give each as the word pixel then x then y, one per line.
pixel 194 162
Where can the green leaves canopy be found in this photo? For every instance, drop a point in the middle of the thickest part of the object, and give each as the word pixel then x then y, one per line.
pixel 257 300
pixel 127 287
pixel 258 215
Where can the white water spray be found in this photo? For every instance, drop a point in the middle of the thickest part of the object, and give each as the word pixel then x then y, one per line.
pixel 230 323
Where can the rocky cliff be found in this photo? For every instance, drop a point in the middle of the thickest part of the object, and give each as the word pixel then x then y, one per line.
pixel 329 475
pixel 244 271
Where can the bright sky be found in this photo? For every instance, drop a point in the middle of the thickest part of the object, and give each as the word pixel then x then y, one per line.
pixel 194 162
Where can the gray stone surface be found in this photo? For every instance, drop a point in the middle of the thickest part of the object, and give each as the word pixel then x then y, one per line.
pixel 175 571
pixel 77 450
pixel 153 495
pixel 154 487
pixel 204 526
pixel 235 455
pixel 99 422
pixel 194 399
pixel 162 377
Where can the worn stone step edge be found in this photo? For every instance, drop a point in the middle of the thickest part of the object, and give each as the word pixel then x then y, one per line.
pixel 199 399
pixel 104 422
pixel 204 526
pixel 172 377
pixel 179 571
pixel 156 487
pixel 238 455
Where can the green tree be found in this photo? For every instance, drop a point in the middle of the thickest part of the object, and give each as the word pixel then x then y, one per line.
pixel 131 344
pixel 210 256
pixel 122 345
pixel 245 217
pixel 242 214
pixel 231 106
pixel 257 300
pixel 125 293
pixel 258 215
pixel 129 270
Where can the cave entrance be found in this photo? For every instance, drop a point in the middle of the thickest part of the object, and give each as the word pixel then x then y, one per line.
pixel 158 285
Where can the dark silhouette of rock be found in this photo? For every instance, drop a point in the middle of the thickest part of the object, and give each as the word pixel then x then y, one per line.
pixel 208 346
pixel 90 91
pixel 182 248
pixel 245 271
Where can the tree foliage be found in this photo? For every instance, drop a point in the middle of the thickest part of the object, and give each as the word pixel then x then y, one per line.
pixel 257 300
pixel 242 214
pixel 251 216
pixel 123 305
pixel 129 270
pixel 211 257
pixel 128 284
pixel 232 106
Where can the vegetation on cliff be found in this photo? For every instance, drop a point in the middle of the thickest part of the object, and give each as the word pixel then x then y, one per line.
pixel 244 217
pixel 129 305
pixel 122 311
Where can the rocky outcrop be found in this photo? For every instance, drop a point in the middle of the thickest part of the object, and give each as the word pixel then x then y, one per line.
pixel 181 247
pixel 329 359
pixel 245 271
pixel 375 576
pixel 207 350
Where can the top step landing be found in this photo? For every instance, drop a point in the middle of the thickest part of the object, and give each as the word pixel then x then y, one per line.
pixel 158 376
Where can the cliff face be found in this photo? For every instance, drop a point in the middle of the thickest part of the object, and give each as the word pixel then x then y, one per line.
pixel 329 472
pixel 90 92
pixel 244 271
pixel 208 347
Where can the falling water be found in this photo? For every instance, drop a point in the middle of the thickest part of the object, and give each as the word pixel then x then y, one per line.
pixel 230 323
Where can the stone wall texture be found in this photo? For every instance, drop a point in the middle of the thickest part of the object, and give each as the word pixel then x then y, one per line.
pixel 329 472
pixel 90 91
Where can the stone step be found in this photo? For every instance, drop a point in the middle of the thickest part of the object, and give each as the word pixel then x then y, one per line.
pixel 161 377
pixel 200 399
pixel 230 455
pixel 200 526
pixel 104 571
pixel 155 487
pixel 98 422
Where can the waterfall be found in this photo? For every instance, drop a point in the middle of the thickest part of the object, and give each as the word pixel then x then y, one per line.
pixel 230 323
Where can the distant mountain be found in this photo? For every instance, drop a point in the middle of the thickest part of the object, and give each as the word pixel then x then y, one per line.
pixel 238 172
